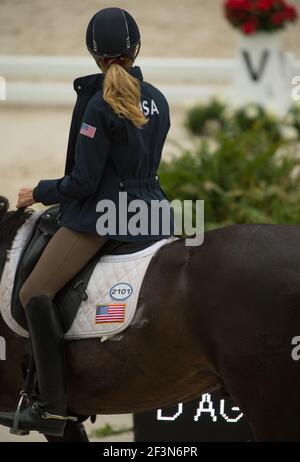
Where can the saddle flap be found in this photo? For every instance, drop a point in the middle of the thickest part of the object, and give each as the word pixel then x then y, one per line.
pixel 43 229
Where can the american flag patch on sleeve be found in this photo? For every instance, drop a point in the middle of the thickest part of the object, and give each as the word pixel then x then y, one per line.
pixel 88 130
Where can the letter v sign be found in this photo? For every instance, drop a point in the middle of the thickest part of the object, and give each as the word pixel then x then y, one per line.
pixel 256 75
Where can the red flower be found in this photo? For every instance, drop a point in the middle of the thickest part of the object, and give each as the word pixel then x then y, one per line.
pixel 290 13
pixel 264 5
pixel 250 26
pixel 241 15
pixel 259 15
pixel 277 18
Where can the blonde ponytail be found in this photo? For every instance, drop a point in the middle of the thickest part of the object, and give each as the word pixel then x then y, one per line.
pixel 122 92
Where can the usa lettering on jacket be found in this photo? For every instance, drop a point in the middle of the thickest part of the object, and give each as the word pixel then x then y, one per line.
pixel 149 107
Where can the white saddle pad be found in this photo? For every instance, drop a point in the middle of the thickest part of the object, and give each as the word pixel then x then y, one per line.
pixel 113 289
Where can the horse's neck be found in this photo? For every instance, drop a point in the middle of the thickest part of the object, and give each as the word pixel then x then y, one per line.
pixel 11 221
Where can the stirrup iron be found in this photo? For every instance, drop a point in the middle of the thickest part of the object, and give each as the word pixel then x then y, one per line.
pixel 15 430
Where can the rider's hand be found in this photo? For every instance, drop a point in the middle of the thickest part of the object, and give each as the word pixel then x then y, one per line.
pixel 25 197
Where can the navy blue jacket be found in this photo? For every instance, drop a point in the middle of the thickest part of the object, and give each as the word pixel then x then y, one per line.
pixel 108 154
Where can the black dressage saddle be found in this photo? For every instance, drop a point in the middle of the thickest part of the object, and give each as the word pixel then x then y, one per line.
pixel 70 297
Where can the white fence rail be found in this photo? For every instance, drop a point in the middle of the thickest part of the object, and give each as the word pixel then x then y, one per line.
pixel 62 94
pixel 69 67
pixel 47 80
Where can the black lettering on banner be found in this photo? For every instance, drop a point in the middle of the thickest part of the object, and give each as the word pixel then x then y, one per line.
pixel 256 74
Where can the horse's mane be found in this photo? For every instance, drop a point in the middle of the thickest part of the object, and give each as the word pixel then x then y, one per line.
pixel 10 221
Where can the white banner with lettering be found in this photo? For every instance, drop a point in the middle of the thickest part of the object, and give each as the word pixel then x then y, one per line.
pixel 263 73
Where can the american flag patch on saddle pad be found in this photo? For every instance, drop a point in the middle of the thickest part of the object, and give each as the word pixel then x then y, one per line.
pixel 110 313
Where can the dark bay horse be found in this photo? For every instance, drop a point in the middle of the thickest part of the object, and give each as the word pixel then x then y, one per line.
pixel 219 315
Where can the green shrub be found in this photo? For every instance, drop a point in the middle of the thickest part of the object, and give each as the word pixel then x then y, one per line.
pixel 248 175
pixel 206 119
pixel 212 118
pixel 254 117
pixel 293 117
pixel 108 430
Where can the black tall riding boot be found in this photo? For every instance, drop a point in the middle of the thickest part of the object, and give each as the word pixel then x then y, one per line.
pixel 48 414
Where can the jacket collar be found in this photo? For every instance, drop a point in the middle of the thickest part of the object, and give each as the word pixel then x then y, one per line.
pixel 89 84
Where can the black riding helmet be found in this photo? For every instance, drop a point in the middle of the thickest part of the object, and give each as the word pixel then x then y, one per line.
pixel 113 32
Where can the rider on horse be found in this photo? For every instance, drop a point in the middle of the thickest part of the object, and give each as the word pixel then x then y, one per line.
pixel 112 147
